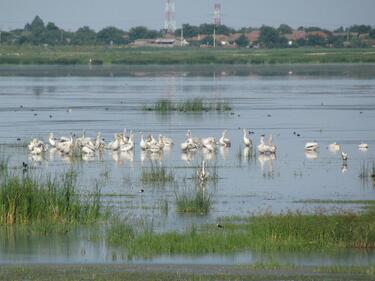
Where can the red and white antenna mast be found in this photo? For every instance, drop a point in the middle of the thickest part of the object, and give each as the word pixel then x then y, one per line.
pixel 217 14
pixel 170 16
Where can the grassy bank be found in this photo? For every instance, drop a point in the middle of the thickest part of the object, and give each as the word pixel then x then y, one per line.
pixel 28 199
pixel 291 231
pixel 178 272
pixel 72 55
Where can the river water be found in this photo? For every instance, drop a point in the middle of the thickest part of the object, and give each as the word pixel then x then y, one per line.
pixel 296 104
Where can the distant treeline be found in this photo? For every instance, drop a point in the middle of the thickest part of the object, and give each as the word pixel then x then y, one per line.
pixel 39 33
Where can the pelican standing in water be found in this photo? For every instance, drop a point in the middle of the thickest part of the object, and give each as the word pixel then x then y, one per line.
pixel 271 146
pixel 246 139
pixel 262 147
pixel 224 140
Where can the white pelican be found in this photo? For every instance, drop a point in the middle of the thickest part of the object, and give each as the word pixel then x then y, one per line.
pixel 52 140
pixel 246 139
pixel 311 146
pixel 271 146
pixel 99 142
pixel 115 144
pixel 128 146
pixel 334 147
pixel 143 144
pixel 168 142
pixel 262 147
pixel 209 144
pixel 363 146
pixel 224 141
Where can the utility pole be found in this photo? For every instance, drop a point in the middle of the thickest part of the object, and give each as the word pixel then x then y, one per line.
pixel 182 35
pixel 214 37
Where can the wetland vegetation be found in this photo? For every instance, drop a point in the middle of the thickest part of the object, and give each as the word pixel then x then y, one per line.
pixel 74 55
pixel 189 105
pixel 28 199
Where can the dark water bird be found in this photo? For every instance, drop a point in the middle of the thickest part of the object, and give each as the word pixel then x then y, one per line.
pixel 24 165
pixel 18 139
pixel 219 225
pixel 141 190
pixel 50 116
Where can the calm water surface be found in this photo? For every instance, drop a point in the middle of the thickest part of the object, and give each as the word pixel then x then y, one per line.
pixel 327 103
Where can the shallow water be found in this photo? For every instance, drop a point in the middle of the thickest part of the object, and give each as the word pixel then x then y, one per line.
pixel 325 103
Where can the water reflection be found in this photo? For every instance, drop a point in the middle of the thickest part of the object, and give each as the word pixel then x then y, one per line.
pixel 344 167
pixel 312 155
pixel 121 157
pixel 151 156
pixel 208 155
pixel 266 159
pixel 224 152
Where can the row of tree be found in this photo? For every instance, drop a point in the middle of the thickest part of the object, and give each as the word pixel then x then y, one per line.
pixel 37 32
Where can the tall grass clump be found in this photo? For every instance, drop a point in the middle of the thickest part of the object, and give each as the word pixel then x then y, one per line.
pixel 156 175
pixel 193 201
pixel 27 199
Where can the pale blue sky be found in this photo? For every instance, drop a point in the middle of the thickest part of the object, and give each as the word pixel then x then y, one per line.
pixel 71 14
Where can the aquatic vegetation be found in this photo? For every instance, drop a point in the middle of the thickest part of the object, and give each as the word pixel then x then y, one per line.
pixel 289 231
pixel 189 105
pixel 27 199
pixel 193 201
pixel 156 175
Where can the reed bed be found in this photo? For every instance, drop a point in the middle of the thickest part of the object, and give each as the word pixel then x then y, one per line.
pixel 27 199
pixel 193 201
pixel 189 105
pixel 156 175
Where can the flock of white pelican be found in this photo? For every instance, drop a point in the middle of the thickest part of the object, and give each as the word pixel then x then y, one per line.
pixel 124 142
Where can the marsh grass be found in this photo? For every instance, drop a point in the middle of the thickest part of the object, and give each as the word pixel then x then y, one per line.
pixel 71 55
pixel 155 174
pixel 189 105
pixel 194 201
pixel 289 231
pixel 27 199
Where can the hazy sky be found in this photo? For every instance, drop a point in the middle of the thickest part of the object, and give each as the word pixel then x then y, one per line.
pixel 71 14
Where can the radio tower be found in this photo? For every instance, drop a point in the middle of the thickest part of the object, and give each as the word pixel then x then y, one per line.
pixel 170 16
pixel 217 14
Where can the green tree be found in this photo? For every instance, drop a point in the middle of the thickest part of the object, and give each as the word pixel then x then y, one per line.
pixel 111 34
pixel 52 34
pixel 316 40
pixel 361 29
pixel 269 37
pixel 189 30
pixel 284 29
pixel 372 33
pixel 84 36
pixel 37 30
pixel 142 32
pixel 242 41
pixel 208 40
